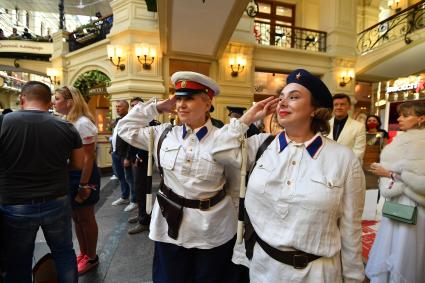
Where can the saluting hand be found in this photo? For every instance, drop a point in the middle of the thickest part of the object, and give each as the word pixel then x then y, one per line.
pixel 260 110
pixel 167 105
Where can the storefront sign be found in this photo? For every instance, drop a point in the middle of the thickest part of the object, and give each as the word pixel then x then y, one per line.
pixel 402 87
pixel 22 46
pixel 98 90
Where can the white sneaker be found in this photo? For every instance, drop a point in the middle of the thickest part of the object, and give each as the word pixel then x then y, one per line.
pixel 113 177
pixel 120 201
pixel 130 207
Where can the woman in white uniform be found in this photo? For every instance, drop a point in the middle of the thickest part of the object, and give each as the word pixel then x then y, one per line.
pixel 193 219
pixel 398 253
pixel 305 194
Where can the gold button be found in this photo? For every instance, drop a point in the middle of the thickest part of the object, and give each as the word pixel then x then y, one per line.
pixel 288 182
pixel 293 162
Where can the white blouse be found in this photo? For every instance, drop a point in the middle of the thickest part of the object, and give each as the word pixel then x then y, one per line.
pixel 191 172
pixel 306 196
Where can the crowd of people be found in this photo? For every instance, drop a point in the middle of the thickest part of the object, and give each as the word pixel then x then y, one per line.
pixel 304 198
pixel 26 35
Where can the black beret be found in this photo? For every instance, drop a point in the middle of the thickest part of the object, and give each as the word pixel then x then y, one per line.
pixel 237 110
pixel 317 88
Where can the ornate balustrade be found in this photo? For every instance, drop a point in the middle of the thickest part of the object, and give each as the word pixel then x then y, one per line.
pixel 89 34
pixel 397 26
pixel 290 37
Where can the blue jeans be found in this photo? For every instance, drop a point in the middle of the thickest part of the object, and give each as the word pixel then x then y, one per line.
pixel 20 226
pixel 125 176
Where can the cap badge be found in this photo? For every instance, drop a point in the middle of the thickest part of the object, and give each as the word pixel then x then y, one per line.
pixel 183 84
pixel 298 76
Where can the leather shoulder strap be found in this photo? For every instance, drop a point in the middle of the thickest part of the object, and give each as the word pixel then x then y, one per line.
pixel 263 147
pixel 260 152
pixel 158 149
pixel 250 236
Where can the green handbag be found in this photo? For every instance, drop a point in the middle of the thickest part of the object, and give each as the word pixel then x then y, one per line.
pixel 400 212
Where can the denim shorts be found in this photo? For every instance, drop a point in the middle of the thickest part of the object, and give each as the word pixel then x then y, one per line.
pixel 74 182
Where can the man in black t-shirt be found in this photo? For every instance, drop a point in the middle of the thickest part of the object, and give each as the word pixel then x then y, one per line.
pixel 34 151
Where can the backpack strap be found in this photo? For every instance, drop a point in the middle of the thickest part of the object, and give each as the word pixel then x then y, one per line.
pixel 158 149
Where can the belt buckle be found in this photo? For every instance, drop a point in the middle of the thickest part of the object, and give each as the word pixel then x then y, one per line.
pixel 204 207
pixel 300 261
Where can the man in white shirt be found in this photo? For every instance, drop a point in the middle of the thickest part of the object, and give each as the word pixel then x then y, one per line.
pixel 345 130
pixel 121 163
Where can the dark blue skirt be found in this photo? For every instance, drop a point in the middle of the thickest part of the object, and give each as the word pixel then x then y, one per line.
pixel 74 182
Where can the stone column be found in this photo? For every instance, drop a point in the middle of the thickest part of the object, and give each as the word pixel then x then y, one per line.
pixel 367 14
pixel 239 90
pixel 338 19
pixel 135 26
pixel 60 49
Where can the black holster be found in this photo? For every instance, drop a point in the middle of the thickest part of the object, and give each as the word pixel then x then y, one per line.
pixel 250 237
pixel 172 212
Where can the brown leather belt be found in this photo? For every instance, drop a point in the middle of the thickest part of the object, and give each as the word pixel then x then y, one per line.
pixel 298 259
pixel 203 204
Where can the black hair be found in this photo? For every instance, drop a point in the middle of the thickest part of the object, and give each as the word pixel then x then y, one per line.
pixel 341 96
pixel 377 119
pixel 137 98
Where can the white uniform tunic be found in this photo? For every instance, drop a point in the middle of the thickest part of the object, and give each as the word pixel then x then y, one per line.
pixel 191 172
pixel 306 196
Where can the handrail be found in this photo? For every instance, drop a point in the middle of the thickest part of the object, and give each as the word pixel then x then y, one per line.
pixel 290 36
pixel 90 33
pixel 399 25
pixel 392 17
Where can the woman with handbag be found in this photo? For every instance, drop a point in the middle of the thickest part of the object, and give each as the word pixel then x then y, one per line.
pixel 398 253
pixel 84 177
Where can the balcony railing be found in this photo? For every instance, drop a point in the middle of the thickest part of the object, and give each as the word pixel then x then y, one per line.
pixel 290 37
pixel 90 33
pixel 397 26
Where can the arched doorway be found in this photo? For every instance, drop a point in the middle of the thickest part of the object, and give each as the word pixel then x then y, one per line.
pixel 93 86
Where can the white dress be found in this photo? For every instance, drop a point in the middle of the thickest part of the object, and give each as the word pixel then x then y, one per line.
pixel 398 253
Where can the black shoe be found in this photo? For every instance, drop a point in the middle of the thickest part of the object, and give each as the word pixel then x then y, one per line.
pixel 138 229
pixel 133 219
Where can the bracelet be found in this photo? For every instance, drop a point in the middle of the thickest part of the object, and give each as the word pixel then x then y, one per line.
pixel 86 186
